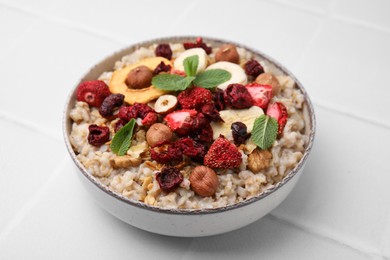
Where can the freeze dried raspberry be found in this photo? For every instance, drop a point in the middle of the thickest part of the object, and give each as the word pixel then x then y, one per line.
pixel 137 110
pixel 93 92
pixel 237 96
pixel 149 119
pixel 98 135
pixel 211 112
pixel 166 153
pixel 218 99
pixel 194 98
pixel 162 67
pixel 198 44
pixel 253 68
pixel 239 132
pixel 223 154
pixel 163 50
pixel 169 178
pixel 110 103
pixel 192 149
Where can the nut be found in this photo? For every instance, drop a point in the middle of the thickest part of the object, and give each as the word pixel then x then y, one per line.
pixel 165 104
pixel 139 77
pixel 125 161
pixel 158 134
pixel 204 181
pixel 269 79
pixel 259 160
pixel 227 52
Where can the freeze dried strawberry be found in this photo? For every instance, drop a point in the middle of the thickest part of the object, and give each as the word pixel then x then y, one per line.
pixel 223 154
pixel 181 121
pixel 194 98
pixel 169 178
pixel 198 44
pixel 98 135
pixel 261 94
pixel 278 111
pixel 93 92
pixel 237 96
pixel 149 119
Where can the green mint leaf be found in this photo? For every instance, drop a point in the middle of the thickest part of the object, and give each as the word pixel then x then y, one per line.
pixel 172 82
pixel 212 78
pixel 122 139
pixel 191 65
pixel 264 131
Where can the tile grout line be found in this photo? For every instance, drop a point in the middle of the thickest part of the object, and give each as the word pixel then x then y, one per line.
pixel 27 207
pixel 317 234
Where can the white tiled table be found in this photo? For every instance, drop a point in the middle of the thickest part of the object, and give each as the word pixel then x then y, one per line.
pixel 340 50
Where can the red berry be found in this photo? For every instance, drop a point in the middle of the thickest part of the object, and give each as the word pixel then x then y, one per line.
pixel 237 96
pixel 162 67
pixel 194 98
pixel 198 44
pixel 261 94
pixel 278 111
pixel 110 103
pixel 253 68
pixel 166 153
pixel 181 121
pixel 149 119
pixel 98 135
pixel 211 112
pixel 93 92
pixel 192 149
pixel 223 154
pixel 137 110
pixel 169 178
pixel 164 50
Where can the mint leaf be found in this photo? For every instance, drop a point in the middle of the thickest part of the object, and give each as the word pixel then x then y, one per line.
pixel 122 139
pixel 212 78
pixel 172 82
pixel 191 65
pixel 264 131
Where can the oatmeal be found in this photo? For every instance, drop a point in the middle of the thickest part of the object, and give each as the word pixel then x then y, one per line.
pixel 189 125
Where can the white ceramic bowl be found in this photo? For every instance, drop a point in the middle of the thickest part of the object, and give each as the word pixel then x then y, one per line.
pixel 187 223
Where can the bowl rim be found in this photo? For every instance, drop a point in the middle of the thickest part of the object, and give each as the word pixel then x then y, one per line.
pixel 66 123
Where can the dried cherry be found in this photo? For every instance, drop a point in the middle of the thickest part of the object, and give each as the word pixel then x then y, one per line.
pixel 110 103
pixel 98 135
pixel 169 178
pixel 163 50
pixel 237 96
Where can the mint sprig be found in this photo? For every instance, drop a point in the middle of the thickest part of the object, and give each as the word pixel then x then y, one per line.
pixel 122 139
pixel 206 79
pixel 264 132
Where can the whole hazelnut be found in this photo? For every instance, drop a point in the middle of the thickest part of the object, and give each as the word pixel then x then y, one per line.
pixel 204 181
pixel 269 79
pixel 227 52
pixel 158 134
pixel 139 77
pixel 259 160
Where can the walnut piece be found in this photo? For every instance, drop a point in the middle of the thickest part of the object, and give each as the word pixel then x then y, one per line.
pixel 125 162
pixel 259 160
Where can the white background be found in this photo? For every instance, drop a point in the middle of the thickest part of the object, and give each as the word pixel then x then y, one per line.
pixel 340 50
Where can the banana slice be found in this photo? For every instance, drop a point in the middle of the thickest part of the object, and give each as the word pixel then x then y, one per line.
pixel 238 74
pixel 178 64
pixel 247 116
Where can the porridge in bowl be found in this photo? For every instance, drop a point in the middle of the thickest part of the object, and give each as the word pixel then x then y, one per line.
pixel 189 125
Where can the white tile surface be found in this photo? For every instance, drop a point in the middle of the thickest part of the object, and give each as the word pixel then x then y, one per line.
pixel 338 49
pixel 341 193
pixel 352 63
pixel 23 167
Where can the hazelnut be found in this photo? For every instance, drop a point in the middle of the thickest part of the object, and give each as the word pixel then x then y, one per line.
pixel 158 134
pixel 259 160
pixel 227 52
pixel 204 181
pixel 269 79
pixel 139 77
pixel 165 104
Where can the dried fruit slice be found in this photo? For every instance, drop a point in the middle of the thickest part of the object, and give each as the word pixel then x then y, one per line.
pixel 143 95
pixel 202 62
pixel 278 111
pixel 238 74
pixel 261 94
pixel 181 121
